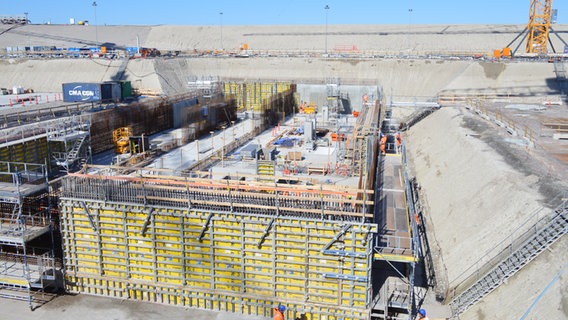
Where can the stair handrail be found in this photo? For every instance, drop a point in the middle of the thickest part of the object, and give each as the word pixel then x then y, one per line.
pixel 483 265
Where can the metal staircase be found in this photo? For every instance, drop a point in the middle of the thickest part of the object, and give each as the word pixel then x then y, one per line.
pixel 417 116
pixel 74 152
pixel 542 237
pixel 68 142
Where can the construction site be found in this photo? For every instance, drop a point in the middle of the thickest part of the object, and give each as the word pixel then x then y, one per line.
pixel 378 177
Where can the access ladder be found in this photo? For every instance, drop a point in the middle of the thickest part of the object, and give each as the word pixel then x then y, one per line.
pixel 556 227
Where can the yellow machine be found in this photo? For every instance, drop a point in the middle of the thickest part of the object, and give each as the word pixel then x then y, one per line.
pixel 308 108
pixel 539 26
pixel 121 138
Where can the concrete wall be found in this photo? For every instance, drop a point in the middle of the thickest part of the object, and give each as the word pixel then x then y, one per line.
pixel 49 75
pixel 402 79
pixel 317 93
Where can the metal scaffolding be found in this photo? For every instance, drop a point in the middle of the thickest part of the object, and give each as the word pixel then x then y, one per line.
pixel 72 134
pixel 25 217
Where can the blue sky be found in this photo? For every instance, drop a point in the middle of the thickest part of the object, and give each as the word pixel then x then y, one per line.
pixel 275 12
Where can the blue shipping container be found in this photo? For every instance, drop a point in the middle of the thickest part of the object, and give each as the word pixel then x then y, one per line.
pixel 81 92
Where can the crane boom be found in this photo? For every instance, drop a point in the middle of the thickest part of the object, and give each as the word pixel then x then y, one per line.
pixel 539 26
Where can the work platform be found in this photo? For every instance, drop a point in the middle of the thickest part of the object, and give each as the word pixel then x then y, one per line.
pixel 15 235
pixel 392 215
pixel 25 217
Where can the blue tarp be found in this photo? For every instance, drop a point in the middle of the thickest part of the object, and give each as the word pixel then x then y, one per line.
pixel 285 142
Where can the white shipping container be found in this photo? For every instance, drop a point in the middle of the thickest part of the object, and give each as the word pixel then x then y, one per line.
pixel 17 90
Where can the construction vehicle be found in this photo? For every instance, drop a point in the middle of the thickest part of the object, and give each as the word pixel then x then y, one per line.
pixel 243 51
pixel 149 52
pixel 308 108
pixel 121 139
pixel 337 136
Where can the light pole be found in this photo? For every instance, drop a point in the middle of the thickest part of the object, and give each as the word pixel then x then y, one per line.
pixel 26 14
pixel 233 125
pixel 96 24
pixel 221 24
pixel 223 148
pixel 326 11
pixel 409 28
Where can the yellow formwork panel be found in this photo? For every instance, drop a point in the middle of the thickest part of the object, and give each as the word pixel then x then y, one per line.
pixel 86 269
pixel 4 156
pixel 250 96
pixel 202 283
pixel 289 263
pixel 168 240
pixel 109 271
pixel 168 255
pixel 110 257
pixel 167 229
pixel 254 289
pixel 112 243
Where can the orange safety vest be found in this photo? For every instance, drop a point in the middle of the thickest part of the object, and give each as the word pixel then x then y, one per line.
pixel 278 315
pixel 398 139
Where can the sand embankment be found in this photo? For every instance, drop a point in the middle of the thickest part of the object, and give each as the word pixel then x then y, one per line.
pixel 479 190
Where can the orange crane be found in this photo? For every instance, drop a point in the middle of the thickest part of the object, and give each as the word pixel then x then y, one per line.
pixel 539 26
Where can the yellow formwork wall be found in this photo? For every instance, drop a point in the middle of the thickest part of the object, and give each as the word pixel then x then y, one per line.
pixel 172 256
pixel 33 151
pixel 249 96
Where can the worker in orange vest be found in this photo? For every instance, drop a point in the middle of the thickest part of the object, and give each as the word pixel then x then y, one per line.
pixel 422 314
pixel 279 312
pixel 398 139
pixel 383 144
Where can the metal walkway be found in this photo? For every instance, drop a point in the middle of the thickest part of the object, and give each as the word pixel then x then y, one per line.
pixel 542 235
pixel 394 230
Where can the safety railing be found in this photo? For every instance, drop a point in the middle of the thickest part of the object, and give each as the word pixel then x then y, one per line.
pixel 534 224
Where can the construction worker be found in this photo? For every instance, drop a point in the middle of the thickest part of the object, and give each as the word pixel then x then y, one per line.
pixel 383 144
pixel 279 312
pixel 422 315
pixel 398 138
